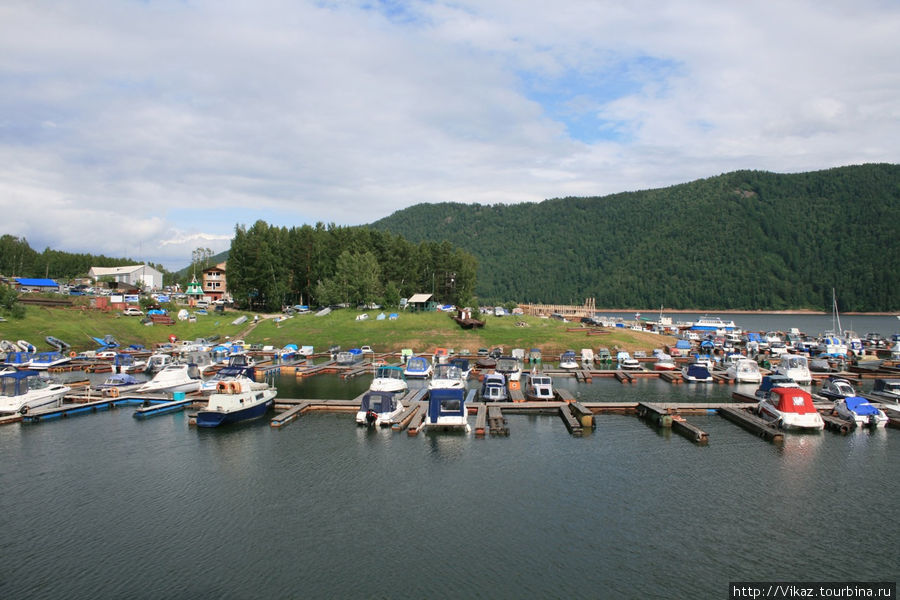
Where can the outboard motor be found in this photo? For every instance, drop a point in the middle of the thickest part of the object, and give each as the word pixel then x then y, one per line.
pixel 371 418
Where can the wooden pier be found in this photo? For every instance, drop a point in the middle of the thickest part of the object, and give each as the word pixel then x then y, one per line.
pixel 752 423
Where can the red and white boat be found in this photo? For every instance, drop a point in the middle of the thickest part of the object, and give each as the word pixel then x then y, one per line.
pixel 790 408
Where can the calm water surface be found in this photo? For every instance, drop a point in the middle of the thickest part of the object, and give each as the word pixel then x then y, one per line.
pixel 105 506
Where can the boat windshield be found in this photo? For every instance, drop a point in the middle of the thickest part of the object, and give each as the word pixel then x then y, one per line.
pixel 388 373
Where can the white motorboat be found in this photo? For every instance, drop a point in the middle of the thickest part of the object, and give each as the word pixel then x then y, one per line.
pixel 158 361
pixel 388 379
pixel 417 367
pixel 837 388
pixel 790 408
pixel 744 370
pixel 378 408
pixel 625 362
pixel 24 391
pixel 446 375
pixel 664 361
pixel 794 366
pixel 241 399
pixel 41 361
pixel 859 410
pixel 509 367
pixel 587 358
pixel 174 378
pixel 567 360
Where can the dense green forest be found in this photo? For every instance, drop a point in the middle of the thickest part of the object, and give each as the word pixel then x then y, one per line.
pixel 270 266
pixel 19 259
pixel 744 240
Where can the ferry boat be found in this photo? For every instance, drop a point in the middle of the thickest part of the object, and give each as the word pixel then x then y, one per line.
pixel 378 407
pixel 417 367
pixel 24 391
pixel 239 400
pixel 174 378
pixel 493 388
pixel 790 408
pixel 447 410
pixel 388 379
pixel 714 324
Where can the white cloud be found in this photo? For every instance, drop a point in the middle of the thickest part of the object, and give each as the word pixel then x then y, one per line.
pixel 153 128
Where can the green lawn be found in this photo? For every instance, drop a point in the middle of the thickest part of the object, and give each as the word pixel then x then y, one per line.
pixel 420 331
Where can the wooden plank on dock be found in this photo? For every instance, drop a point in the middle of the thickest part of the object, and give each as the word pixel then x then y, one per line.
pixel 582 414
pixel 837 424
pixel 516 395
pixel 624 377
pixel 752 423
pixel 289 415
pixel 659 416
pixel 689 430
pixel 480 419
pixel 496 421
pixel 673 377
pixel 418 418
pixel 569 420
pixel 564 395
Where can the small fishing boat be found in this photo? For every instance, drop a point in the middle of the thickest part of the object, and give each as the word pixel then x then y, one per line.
pixel 118 380
pixel 378 408
pixel 587 358
pixel 24 391
pixel 790 408
pixel 417 367
pixel 887 391
pixel 233 401
pixel 388 379
pixel 539 387
pixel 349 357
pixel 568 360
pixel 509 367
pixel 837 388
pixel 463 365
pixel 859 410
pixel 493 388
pixel 174 378
pixel 447 410
pixel 158 361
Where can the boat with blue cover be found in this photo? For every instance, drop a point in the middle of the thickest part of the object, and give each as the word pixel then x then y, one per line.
pixel 378 408
pixel 493 388
pixel 417 367
pixel 696 372
pixel 238 400
pixel 447 410
pixel 859 410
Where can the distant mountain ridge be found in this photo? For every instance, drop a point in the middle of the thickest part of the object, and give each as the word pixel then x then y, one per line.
pixel 751 240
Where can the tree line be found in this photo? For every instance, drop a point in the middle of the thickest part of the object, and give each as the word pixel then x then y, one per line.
pixel 270 267
pixel 744 240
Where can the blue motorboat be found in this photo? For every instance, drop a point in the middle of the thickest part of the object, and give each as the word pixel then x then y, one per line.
pixel 696 373
pixel 860 411
pixel 417 367
pixel 493 388
pixel 447 409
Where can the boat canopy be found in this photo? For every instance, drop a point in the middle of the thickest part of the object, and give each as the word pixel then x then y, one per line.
pixel 446 402
pixel 793 400
pixel 860 406
pixel 379 402
pixel 683 345
pixel 698 371
pixel 15 383
pixel 774 381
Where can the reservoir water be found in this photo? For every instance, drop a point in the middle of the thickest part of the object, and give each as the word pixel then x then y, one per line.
pixel 106 506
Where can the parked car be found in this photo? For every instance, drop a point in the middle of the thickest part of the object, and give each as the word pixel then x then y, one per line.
pixel 132 311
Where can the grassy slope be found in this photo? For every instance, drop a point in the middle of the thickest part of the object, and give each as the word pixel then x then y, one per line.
pixel 421 331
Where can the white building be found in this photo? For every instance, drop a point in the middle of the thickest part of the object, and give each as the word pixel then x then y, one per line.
pixel 148 277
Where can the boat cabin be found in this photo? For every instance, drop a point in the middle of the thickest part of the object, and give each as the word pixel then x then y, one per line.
pixel 791 400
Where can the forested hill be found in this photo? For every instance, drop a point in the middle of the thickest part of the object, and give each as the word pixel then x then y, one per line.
pixel 742 240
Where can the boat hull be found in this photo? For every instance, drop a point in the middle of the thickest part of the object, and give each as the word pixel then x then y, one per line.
pixel 214 418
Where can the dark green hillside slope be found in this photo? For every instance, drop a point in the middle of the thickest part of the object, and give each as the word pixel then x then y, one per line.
pixel 742 240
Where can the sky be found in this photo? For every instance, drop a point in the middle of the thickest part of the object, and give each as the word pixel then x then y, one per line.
pixel 147 129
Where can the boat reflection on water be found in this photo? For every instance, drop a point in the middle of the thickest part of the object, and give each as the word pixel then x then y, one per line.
pixel 445 446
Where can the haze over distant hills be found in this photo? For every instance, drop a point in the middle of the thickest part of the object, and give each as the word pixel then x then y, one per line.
pixel 743 240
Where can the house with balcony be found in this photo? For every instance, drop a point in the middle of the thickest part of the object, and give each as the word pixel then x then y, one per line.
pixel 213 282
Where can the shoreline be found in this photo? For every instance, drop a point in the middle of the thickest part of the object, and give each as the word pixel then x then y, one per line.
pixel 744 312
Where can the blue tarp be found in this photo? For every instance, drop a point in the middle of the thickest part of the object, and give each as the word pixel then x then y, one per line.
pixel 36 282
pixel 860 406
